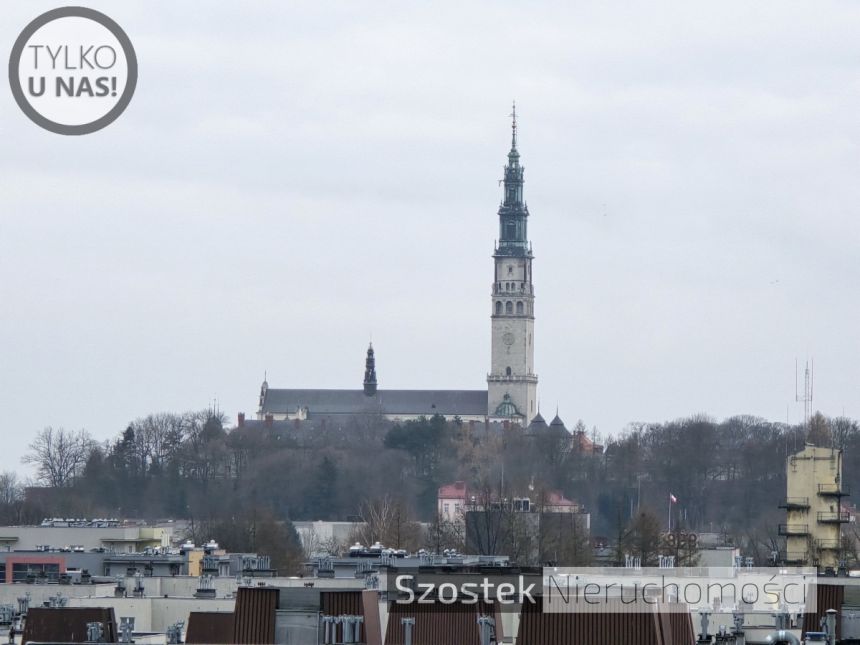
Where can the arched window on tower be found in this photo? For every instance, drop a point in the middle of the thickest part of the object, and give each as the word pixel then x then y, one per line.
pixel 498 307
pixel 507 371
pixel 519 308
pixel 509 307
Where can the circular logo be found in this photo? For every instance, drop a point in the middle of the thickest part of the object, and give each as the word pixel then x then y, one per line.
pixel 73 70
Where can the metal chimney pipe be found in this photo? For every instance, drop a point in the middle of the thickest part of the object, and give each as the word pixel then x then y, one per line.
pixel 486 624
pixel 408 624
pixel 326 621
pixel 705 620
pixel 333 633
pixel 346 630
pixel 830 624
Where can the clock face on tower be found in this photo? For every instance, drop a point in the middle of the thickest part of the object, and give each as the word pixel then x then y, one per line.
pixel 508 338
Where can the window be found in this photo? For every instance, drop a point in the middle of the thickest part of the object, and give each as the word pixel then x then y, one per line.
pixel 498 307
pixel 22 571
pixel 510 269
pixel 446 508
pixel 507 371
pixel 520 308
pixel 509 307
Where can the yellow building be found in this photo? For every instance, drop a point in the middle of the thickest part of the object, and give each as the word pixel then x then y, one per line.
pixel 814 515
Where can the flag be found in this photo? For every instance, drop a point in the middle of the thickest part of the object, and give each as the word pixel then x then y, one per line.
pixel 673 499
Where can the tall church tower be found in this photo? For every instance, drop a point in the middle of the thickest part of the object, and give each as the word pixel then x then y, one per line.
pixel 512 383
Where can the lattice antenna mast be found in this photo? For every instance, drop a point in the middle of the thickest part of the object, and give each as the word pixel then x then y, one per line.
pixel 808 389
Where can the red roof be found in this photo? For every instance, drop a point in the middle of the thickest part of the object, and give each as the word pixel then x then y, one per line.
pixel 457 490
pixel 554 498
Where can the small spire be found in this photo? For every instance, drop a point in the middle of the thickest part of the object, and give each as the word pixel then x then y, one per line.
pixel 370 372
pixel 513 116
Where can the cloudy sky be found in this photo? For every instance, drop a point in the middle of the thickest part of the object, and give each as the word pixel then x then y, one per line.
pixel 294 177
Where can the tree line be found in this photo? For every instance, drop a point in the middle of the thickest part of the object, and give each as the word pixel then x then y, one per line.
pixel 728 476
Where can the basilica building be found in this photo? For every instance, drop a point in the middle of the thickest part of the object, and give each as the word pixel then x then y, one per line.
pixel 511 392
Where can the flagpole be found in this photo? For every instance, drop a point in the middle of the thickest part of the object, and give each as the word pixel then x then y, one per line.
pixel 670 512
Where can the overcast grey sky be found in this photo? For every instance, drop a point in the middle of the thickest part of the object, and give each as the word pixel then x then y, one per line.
pixel 292 177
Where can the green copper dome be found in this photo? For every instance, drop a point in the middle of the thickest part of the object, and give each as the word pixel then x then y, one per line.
pixel 507 408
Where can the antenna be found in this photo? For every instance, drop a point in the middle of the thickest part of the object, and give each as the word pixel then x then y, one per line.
pixel 808 385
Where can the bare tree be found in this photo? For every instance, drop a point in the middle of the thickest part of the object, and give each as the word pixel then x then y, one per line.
pixel 11 489
pixel 11 497
pixel 388 522
pixel 158 438
pixel 205 454
pixel 820 433
pixel 314 544
pixel 494 526
pixel 446 534
pixel 485 524
pixel 59 455
pixel 643 538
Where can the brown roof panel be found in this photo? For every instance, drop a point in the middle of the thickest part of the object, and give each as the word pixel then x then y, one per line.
pixel 254 620
pixel 210 628
pixel 67 624
pixel 437 624
pixel 605 628
pixel 827 597
pixel 339 603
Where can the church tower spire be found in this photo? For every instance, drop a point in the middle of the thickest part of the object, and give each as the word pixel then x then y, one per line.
pixel 513 212
pixel 370 372
pixel 512 379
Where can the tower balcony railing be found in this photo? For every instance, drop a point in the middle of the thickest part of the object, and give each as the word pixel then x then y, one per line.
pixel 795 503
pixel 503 378
pixel 835 490
pixel 834 543
pixel 834 517
pixel 518 292
pixel 794 529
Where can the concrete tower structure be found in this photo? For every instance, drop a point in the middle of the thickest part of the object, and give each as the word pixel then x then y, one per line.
pixel 813 504
pixel 512 383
